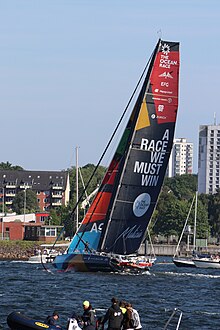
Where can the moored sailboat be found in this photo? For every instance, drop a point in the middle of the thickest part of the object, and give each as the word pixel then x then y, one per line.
pixel 188 260
pixel 116 222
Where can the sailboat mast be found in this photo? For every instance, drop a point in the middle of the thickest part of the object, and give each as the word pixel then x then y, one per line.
pixel 134 116
pixel 77 191
pixel 195 219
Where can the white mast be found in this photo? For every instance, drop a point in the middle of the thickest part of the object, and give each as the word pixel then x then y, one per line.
pixel 194 231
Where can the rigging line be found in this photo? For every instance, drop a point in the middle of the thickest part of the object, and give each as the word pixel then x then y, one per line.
pixel 136 112
pixel 95 206
pixel 85 243
pixel 42 263
pixel 113 134
pixel 108 144
pixel 80 174
pixel 184 227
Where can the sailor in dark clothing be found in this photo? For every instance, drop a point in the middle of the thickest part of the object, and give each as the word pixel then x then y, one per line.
pixel 114 316
pixel 88 317
pixel 51 320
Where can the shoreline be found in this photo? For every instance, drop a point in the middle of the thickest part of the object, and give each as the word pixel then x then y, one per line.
pixel 20 250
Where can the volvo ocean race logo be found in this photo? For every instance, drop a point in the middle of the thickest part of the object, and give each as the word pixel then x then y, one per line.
pixel 165 49
pixel 141 204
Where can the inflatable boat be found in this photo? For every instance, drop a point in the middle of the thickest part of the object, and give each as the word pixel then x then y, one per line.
pixel 17 321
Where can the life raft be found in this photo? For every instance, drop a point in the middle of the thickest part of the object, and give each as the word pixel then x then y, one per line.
pixel 18 321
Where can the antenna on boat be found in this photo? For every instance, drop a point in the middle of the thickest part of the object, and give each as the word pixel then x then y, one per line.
pixel 159 34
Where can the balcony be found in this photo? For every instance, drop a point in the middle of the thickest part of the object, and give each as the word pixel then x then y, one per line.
pixel 58 187
pixel 9 202
pixel 58 203
pixel 10 185
pixel 25 186
pixel 57 195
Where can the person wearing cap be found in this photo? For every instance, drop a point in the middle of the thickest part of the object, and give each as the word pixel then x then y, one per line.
pixel 51 320
pixel 88 317
pixel 114 316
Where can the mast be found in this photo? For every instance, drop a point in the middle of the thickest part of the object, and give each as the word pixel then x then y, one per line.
pixel 131 125
pixel 77 191
pixel 195 219
pixel 142 155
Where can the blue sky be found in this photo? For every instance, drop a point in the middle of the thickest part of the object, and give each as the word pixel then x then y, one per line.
pixel 68 68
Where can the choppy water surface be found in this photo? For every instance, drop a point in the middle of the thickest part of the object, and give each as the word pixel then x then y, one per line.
pixel 30 289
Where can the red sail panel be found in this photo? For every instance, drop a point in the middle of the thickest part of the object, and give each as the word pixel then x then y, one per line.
pixel 164 82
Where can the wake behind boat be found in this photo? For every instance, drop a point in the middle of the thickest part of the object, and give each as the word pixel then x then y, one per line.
pixel 116 222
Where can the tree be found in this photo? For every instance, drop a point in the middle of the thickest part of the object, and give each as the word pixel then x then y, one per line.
pixel 171 215
pixel 54 218
pixel 26 198
pixel 182 186
pixel 214 214
pixel 9 166
pixel 174 204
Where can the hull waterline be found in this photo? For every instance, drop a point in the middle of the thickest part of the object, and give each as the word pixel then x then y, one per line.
pixel 184 262
pixel 207 263
pixel 98 263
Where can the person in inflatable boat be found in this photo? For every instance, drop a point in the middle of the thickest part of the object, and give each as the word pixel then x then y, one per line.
pixel 51 320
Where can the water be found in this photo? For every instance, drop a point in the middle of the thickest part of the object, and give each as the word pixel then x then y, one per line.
pixel 30 289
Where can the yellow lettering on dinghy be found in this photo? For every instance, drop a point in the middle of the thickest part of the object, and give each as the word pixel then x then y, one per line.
pixel 45 326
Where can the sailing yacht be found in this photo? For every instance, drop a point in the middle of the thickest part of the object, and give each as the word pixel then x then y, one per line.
pixel 187 261
pixel 116 222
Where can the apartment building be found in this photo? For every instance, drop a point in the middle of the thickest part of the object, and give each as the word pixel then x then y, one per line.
pixel 52 188
pixel 181 158
pixel 209 159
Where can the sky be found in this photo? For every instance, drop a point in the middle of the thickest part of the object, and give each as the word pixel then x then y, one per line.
pixel 69 67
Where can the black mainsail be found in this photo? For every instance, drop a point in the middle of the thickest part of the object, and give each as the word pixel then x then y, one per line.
pixel 117 220
pixel 146 152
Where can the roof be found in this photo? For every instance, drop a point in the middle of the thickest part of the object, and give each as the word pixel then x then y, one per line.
pixel 37 180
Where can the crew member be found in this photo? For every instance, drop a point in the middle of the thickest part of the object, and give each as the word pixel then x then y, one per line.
pixel 51 320
pixel 114 316
pixel 88 317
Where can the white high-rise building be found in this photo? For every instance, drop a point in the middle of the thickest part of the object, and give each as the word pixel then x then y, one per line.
pixel 209 159
pixel 181 158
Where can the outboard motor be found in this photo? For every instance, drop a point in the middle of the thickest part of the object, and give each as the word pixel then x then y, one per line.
pixel 73 324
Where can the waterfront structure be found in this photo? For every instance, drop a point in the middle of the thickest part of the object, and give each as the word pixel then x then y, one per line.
pixel 32 227
pixel 52 188
pixel 181 158
pixel 209 159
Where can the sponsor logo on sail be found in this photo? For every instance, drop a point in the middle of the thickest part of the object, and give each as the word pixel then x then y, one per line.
pixel 160 107
pixel 165 49
pixel 166 75
pixel 141 204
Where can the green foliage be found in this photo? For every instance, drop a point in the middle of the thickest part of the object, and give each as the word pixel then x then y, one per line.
pixel 174 204
pixel 214 214
pixel 54 218
pixel 182 186
pixel 30 200
pixel 171 214
pixel 9 166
